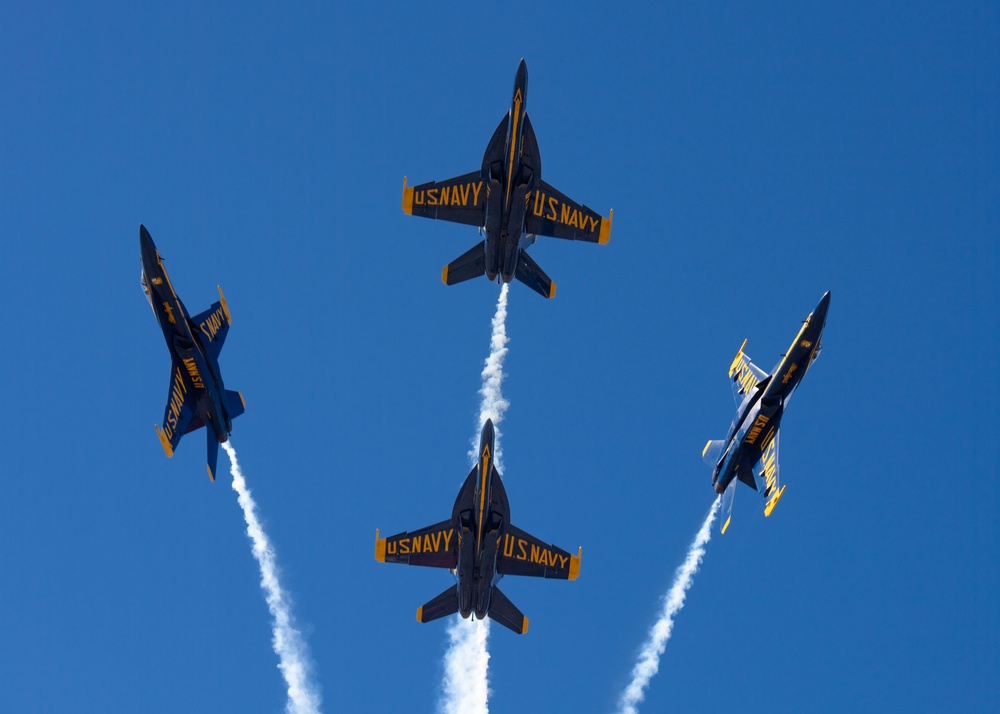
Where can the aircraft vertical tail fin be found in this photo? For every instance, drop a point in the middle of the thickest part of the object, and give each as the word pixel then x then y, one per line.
pixel 235 404
pixel 470 264
pixel 443 605
pixel 727 504
pixel 712 451
pixel 213 453
pixel 533 276
pixel 504 612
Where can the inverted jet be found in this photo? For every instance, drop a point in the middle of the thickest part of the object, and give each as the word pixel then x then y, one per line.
pixel 196 397
pixel 509 200
pixel 749 453
pixel 479 545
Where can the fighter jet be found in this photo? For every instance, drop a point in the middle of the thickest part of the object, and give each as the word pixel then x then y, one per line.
pixel 479 545
pixel 750 450
pixel 196 397
pixel 508 199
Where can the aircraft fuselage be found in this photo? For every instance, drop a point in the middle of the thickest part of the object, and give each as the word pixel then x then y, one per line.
pixel 200 375
pixel 510 171
pixel 759 416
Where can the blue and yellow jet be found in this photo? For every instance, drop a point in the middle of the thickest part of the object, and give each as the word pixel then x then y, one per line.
pixel 750 450
pixel 479 545
pixel 508 198
pixel 197 396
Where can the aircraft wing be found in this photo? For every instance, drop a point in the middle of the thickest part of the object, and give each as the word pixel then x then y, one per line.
pixel 553 213
pixel 434 546
pixel 767 469
pixel 179 418
pixel 524 554
pixel 460 200
pixel 212 326
pixel 744 375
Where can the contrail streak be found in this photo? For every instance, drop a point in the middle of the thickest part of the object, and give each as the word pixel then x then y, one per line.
pixel 466 663
pixel 293 654
pixel 649 657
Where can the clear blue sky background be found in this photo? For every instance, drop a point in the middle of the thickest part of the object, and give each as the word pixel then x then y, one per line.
pixel 754 158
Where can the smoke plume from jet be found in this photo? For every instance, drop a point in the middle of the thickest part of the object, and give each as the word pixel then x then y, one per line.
pixel 293 654
pixel 649 657
pixel 466 663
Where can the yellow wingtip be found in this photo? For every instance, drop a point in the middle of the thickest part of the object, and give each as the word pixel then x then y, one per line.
pixel 552 289
pixel 525 628
pixel 211 476
pixel 225 307
pixel 444 275
pixel 726 524
pixel 380 548
pixel 736 359
pixel 574 564
pixel 244 401
pixel 167 448
pixel 705 450
pixel 774 501
pixel 407 199
pixel 420 614
pixel 605 235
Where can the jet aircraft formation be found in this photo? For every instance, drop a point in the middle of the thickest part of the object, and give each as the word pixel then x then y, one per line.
pixel 511 205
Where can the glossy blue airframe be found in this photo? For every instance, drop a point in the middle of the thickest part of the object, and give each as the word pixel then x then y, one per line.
pixel 197 396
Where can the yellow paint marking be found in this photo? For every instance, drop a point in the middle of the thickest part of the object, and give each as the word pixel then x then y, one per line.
pixel 605 235
pixel 726 524
pixel 513 140
pixel 525 626
pixel 737 359
pixel 420 614
pixel 167 448
pixel 484 470
pixel 705 450
pixel 774 501
pixel 225 307
pixel 444 275
pixel 407 199
pixel 211 476
pixel 574 564
pixel 552 289
pixel 379 548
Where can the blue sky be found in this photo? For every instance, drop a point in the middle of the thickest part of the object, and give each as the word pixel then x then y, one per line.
pixel 754 158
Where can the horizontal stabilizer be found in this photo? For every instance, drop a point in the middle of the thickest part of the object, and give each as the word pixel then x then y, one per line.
pixel 533 276
pixel 503 611
pixel 443 605
pixel 713 452
pixel 471 264
pixel 769 471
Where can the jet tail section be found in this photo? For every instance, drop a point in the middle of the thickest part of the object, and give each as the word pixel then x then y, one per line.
pixel 727 504
pixel 504 612
pixel 533 276
pixel 471 264
pixel 213 453
pixel 443 605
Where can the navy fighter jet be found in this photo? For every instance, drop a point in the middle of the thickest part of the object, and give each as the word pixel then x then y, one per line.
pixel 508 198
pixel 750 450
pixel 479 545
pixel 196 397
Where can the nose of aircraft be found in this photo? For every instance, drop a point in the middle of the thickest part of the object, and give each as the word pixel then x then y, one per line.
pixel 824 305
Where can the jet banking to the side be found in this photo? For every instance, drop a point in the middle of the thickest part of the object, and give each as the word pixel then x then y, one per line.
pixel 479 545
pixel 197 396
pixel 508 199
pixel 750 450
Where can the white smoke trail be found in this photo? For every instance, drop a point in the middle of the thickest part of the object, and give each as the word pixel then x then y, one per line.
pixel 293 654
pixel 466 663
pixel 649 657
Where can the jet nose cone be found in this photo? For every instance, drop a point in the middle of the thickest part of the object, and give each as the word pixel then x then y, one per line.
pixel 144 238
pixel 819 314
pixel 487 431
